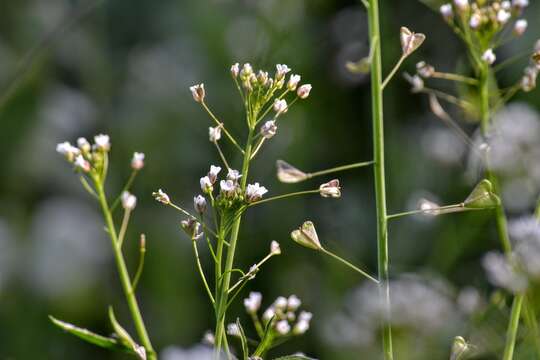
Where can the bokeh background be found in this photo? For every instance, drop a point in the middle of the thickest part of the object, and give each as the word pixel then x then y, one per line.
pixel 78 68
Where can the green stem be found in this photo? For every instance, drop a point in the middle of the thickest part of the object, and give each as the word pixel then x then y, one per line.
pixel 140 267
pixel 513 325
pixel 124 275
pixel 454 77
pixel 378 168
pixel 339 168
pixel 219 123
pixel 128 184
pixel 201 271
pixel 298 193
pixel 355 268
pixel 530 320
pixel 393 72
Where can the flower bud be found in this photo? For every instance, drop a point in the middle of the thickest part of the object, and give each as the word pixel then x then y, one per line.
pixel 293 303
pixel 410 41
pixel 520 27
pixel 287 173
pixel 280 106
pixel 293 82
pixel 503 16
pixel 129 201
pixel 198 93
pixel 214 133
pixel 234 175
pixel 462 5
pixel 489 56
pixel 69 151
pixel 213 173
pixel 307 236
pixel 262 78
pixel 475 21
pixel 330 189
pixel 446 11
pixel 283 327
pixel 303 91
pixel 206 185
pixel 161 197
pixel 281 71
pixel 137 161
pixel 228 187
pixel 235 70
pixel 520 4
pixel 428 207
pixel 82 163
pixel 253 302
pixel 424 69
pixel 269 129
pixel 269 314
pixel 199 203
pixel 246 71
pixel 280 303
pixel 275 249
pixel 84 145
pixel 102 142
pixel 233 330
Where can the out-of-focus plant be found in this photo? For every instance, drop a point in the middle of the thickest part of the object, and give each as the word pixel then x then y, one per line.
pixel 484 26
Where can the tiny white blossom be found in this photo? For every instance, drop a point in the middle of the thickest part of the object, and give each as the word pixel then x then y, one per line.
pixel 280 303
pixel 528 81
pixel 520 27
pixel 428 207
pixel 161 197
pixel 446 11
pixel 137 161
pixel 520 3
pixel 83 144
pixel 489 56
pixel 293 303
pixel 305 315
pixel 269 314
pixel 68 150
pixel 206 184
pixel 82 163
pixel 294 79
pixel 283 327
pixel 233 330
pixel 330 189
pixel 214 133
pixel 255 192
pixel 275 249
pixel 303 91
pixel 506 5
pixel 199 203
pixel 233 175
pixel 262 78
pixel 503 16
pixel 213 173
pixel 198 92
pixel 281 71
pixel 301 327
pixel 102 142
pixel 209 338
pixel 280 106
pixel 462 5
pixel 253 302
pixel 228 187
pixel 235 70
pixel 269 129
pixel 246 71
pixel 475 21
pixel 129 201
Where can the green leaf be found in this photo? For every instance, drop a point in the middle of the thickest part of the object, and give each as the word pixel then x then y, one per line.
pixel 243 339
pixel 267 338
pixel 87 335
pixel 482 196
pixel 125 338
pixel 294 357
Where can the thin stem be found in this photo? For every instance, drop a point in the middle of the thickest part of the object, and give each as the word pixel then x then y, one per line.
pixel 511 60
pixel 284 196
pixel 87 187
pixel 124 274
pixel 378 169
pixel 123 227
pixel 530 319
pixel 355 268
pixel 248 274
pixel 221 155
pixel 201 271
pixel 454 77
pixel 126 187
pixel 140 267
pixel 339 168
pixel 219 123
pixel 513 325
pixel 447 97
pixel 393 72
pixel 437 211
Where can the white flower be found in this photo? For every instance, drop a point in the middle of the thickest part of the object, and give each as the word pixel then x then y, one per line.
pixel 269 314
pixel 330 189
pixel 213 173
pixel 275 248
pixel 280 106
pixel 294 79
pixel 137 161
pixel 246 71
pixel 280 303
pixel 462 5
pixel 528 81
pixel 303 91
pixel 520 27
pixel 253 302
pixel 199 203
pixel 269 129
pixel 129 201
pixel 214 133
pixel 520 3
pixel 262 77
pixel 233 330
pixel 424 69
pixel 68 150
pixel 475 21
pixel 206 184
pixel 235 70
pixel 283 327
pixel 198 93
pixel 489 56
pixel 293 303
pixel 83 144
pixel 209 338
pixel 301 327
pixel 234 175
pixel 503 16
pixel 102 142
pixel 506 5
pixel 255 192
pixel 501 273
pixel 81 163
pixel 305 315
pixel 446 11
pixel 281 71
pixel 161 197
pixel 228 187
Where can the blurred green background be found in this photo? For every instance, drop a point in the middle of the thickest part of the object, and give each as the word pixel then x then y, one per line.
pixel 124 68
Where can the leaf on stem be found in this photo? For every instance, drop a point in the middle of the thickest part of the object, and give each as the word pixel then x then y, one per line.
pixel 125 338
pixel 482 196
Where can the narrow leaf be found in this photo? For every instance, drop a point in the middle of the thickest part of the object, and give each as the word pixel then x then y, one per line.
pixel 87 335
pixel 124 336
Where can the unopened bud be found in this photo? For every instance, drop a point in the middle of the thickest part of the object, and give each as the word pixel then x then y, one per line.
pixel 199 203
pixel 293 82
pixel 83 145
pixel 280 106
pixel 269 129
pixel 489 56
pixel 235 70
pixel 214 133
pixel 198 93
pixel 275 249
pixel 129 201
pixel 303 91
pixel 446 11
pixel 82 163
pixel 102 142
pixel 137 161
pixel 520 27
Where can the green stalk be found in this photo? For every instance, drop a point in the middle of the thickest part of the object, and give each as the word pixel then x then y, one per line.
pixel 223 291
pixel 513 325
pixel 124 274
pixel 378 167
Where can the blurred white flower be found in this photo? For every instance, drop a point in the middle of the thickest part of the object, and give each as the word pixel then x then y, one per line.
pixel 446 11
pixel 235 70
pixel 269 129
pixel 129 201
pixel 275 249
pixel 228 187
pixel 520 27
pixel 206 184
pixel 280 106
pixel 283 327
pixel 233 175
pixel 82 163
pixel 137 161
pixel 199 203
pixel 503 274
pixel 199 352
pixel 198 92
pixel 161 197
pixel 103 142
pixel 294 79
pixel 489 56
pixel 255 192
pixel 304 91
pixel 293 303
pixel 214 133
pixel 213 173
pixel 253 302
pixel 281 71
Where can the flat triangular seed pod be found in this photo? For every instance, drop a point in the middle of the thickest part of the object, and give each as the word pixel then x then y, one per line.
pixel 307 236
pixel 287 173
pixel 410 41
pixel 482 196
